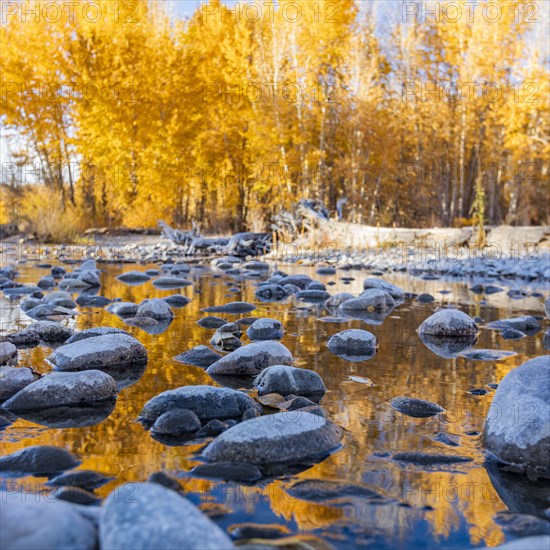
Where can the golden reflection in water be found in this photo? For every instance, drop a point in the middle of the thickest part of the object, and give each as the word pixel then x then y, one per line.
pixel 120 447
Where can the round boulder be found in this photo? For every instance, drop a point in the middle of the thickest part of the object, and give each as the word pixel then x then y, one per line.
pixel 449 323
pixel 8 353
pixel 286 380
pixel 353 344
pixel 266 329
pixel 155 308
pixel 176 422
pixel 277 438
pixel 517 428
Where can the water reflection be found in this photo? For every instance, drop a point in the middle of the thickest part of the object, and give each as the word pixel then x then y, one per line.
pixel 447 508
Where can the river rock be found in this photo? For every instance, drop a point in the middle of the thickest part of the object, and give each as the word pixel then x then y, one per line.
pixel 488 354
pixel 394 291
pixel 199 356
pixel 449 323
pixel 28 523
pixel 37 460
pixel 59 389
pixel 155 308
pixel 212 322
pixel 14 379
pixel 46 282
pixel 338 299
pixel 99 352
pixel 353 344
pixel 134 277
pixel 226 338
pixel 8 354
pixel 312 295
pixel 517 428
pixel 265 329
pixel 49 331
pixel 94 332
pixel 270 292
pixel 526 324
pixel 92 301
pixel 177 300
pixel 228 471
pixel 547 308
pixel 278 438
pixel 122 309
pixel 232 307
pixel 251 359
pixel 207 402
pixel 300 281
pixel 286 380
pixel 176 422
pixel 171 282
pixel 371 299
pixel 156 517
pixel 43 311
pixel 417 408
pixel 85 479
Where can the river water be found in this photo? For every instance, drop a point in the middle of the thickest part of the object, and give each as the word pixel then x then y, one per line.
pixel 447 507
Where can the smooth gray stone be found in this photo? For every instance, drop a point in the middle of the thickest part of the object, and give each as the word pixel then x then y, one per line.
pixel 207 402
pixel 212 322
pixel 13 380
pixel 449 323
pixel 232 307
pixel 338 299
pixel 393 290
pixel 300 281
pixel 148 516
pixel 155 308
pixel 93 332
pixel 326 490
pixel 59 389
pixel 286 380
pixel 488 354
pixel 49 331
pixel 199 356
pixel 310 295
pixel 429 459
pixel 177 300
pixel 8 354
pixel 93 301
pixel 265 329
pixel 43 525
pixel 371 299
pixel 417 408
pixel 176 422
pixel 123 308
pixel 526 324
pixel 39 459
pixel 171 282
pixel 133 277
pixel 250 360
pixel 99 352
pixel 278 438
pixel 353 344
pixel 517 428
pixel 85 479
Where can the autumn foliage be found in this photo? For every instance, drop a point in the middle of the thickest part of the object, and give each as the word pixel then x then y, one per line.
pixel 136 116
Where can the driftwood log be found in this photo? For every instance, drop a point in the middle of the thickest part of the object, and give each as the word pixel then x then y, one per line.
pixel 240 244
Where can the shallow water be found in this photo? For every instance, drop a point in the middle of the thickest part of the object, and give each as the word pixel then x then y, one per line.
pixel 448 507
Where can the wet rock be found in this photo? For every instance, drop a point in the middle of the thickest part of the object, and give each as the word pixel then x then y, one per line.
pixel 60 298
pixel 251 359
pixel 266 329
pixel 44 311
pixel 241 531
pixel 425 298
pixel 57 271
pixel 338 299
pixel 85 479
pixel 417 408
pixel 92 301
pixel 279 438
pixel 312 295
pixel 30 524
pixel 75 495
pixel 155 308
pixel 30 303
pixel 171 282
pixel 332 491
pixel 99 352
pixel 199 356
pixel 512 334
pixel 156 518
pixel 177 300
pixel 46 282
pixel 521 439
pixel 94 332
pixel 207 402
pixel 48 331
pixel 526 324
pixel 226 338
pixel 232 307
pixel 294 403
pixel 300 281
pixel 547 307
pixel 478 391
pixel 14 379
pixel 213 428
pixel 394 291
pixel 488 354
pixel 353 344
pixel 211 321
pixel 448 323
pixel 371 299
pixel 123 309
pixel 448 347
pixel 63 389
pixel 39 460
pixel 228 471
pixel 167 481
pixel 270 292
pixel 286 380
pixel 8 354
pixel 176 422
pixel 428 459
pixel 134 277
